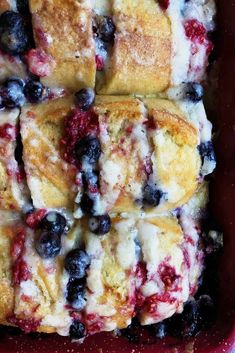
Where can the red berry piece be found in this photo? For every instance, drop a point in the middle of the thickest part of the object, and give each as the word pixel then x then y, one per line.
pixel 33 219
pixel 99 62
pixel 164 4
pixel 39 63
pixel 195 31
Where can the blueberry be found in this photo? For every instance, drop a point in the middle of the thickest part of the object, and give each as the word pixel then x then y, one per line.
pixel 14 39
pixel 100 225
pixel 77 330
pixel 76 294
pixel 188 324
pixel 85 98
pixel 212 240
pixel 207 310
pixel 87 205
pixel 106 29
pixel 193 91
pixel 48 245
pixel 159 330
pixel 22 6
pixel 151 195
pixel 76 263
pixel 88 149
pixel 12 93
pixel 206 150
pixel 35 91
pixel 132 332
pixel 54 222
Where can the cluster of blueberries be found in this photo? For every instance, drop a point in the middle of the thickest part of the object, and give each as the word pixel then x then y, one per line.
pixel 103 30
pixel 52 227
pixel 15 92
pixel 197 315
pixel 88 151
pixel 15 40
pixel 48 245
pixel 76 263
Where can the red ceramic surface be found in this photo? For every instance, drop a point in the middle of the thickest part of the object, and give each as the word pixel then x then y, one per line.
pixel 222 337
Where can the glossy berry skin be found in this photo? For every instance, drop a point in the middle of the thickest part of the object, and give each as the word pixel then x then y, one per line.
pixel 206 150
pixel 12 94
pixel 34 91
pixel 106 29
pixel 151 196
pixel 76 263
pixel 207 310
pixel 84 98
pixel 48 245
pixel 100 225
pixel 87 205
pixel 88 149
pixel 159 330
pixel 187 324
pixel 54 222
pixel 193 92
pixel 76 294
pixel 197 315
pixel 77 330
pixel 14 39
pixel 132 332
pixel 23 6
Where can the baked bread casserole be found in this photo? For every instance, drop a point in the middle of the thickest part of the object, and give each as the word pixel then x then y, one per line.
pixel 105 153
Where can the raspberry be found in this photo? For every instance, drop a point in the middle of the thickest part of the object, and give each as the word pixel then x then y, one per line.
pixel 78 124
pixel 167 274
pixel 39 63
pixel 195 31
pixel 34 218
pixel 164 4
pixel 99 62
pixel 8 132
pixel 27 325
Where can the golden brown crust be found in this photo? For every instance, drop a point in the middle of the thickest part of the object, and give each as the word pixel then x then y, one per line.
pixel 122 150
pixel 63 30
pixel 171 141
pixel 140 58
pixel 110 282
pixel 176 155
pixel 49 177
pixel 6 288
pixel 12 184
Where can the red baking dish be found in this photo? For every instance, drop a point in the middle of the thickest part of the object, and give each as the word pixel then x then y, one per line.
pixel 221 338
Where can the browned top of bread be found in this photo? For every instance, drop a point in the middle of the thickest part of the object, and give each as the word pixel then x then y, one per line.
pixel 63 30
pixel 140 57
pixel 176 160
pixel 13 191
pixel 49 177
pixel 8 223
